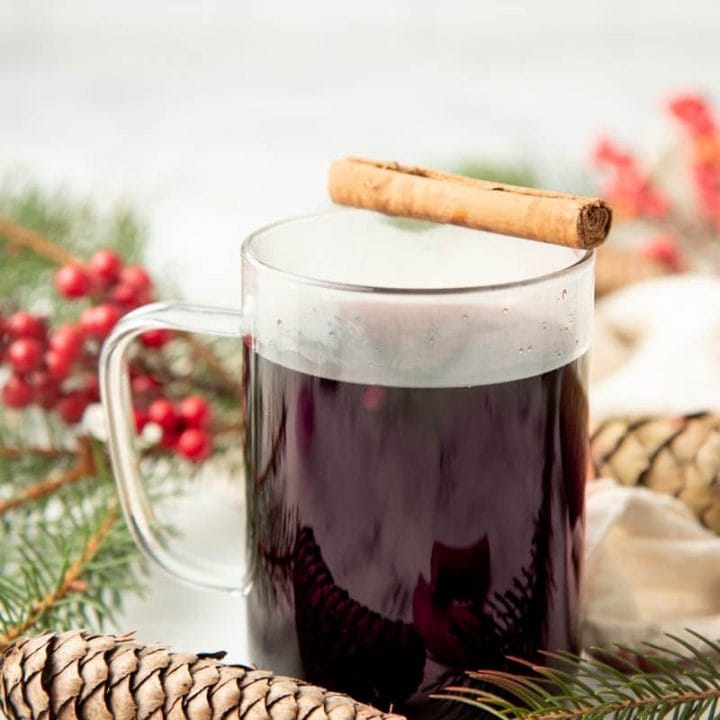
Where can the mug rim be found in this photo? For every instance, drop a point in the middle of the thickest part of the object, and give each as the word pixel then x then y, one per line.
pixel 247 254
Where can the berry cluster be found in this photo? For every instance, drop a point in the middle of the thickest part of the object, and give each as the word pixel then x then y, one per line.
pixel 56 368
pixel 115 290
pixel 48 368
pixel 696 117
pixel 633 192
pixel 183 424
pixel 628 188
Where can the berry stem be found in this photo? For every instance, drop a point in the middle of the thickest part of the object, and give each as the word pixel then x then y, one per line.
pixel 83 468
pixel 229 428
pixel 11 452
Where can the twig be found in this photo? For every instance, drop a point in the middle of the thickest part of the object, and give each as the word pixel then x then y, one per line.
pixel 71 580
pixel 54 482
pixel 229 427
pixel 11 452
pixel 35 241
pixel 204 353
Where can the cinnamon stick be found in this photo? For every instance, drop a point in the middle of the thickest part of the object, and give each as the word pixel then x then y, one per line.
pixel 395 189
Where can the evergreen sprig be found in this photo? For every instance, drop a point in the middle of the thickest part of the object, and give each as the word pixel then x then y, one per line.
pixel 679 680
pixel 66 556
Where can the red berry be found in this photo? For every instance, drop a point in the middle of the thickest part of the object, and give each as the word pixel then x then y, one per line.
pixel 23 324
pixel 695 113
pixel 194 444
pixel 155 338
pixel 99 320
pixel 126 294
pixel 608 153
pixel 144 297
pixel 169 439
pixel 105 265
pixel 194 411
pixel 16 392
pixel 162 412
pixel 144 384
pixel 137 276
pixel 141 419
pixel 45 390
pixel 664 249
pixel 71 407
pixel 91 388
pixel 58 365
pixel 73 281
pixel 67 340
pixel 25 355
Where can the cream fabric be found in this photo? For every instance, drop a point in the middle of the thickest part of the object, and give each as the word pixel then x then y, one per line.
pixel 650 568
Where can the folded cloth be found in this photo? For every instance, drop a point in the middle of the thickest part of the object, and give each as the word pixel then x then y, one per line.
pixel 656 348
pixel 650 569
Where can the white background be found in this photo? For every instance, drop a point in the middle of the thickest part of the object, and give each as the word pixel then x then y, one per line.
pixel 216 117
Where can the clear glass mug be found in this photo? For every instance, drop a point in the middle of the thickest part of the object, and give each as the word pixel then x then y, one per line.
pixel 416 445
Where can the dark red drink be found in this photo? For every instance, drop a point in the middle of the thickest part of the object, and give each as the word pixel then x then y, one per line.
pixel 400 535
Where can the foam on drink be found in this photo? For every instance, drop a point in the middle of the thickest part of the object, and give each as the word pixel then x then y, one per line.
pixel 407 321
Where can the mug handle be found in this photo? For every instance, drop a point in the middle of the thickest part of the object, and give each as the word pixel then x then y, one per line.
pixel 117 406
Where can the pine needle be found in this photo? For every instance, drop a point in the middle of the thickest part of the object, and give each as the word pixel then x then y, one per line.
pixel 662 682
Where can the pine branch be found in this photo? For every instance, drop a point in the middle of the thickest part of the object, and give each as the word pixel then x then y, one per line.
pixel 625 684
pixel 66 559
pixel 19 236
pixel 71 581
pixel 13 452
pixel 56 480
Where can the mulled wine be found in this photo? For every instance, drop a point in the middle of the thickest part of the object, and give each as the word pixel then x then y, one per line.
pixel 399 535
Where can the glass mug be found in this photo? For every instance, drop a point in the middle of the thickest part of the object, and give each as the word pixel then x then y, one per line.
pixel 416 448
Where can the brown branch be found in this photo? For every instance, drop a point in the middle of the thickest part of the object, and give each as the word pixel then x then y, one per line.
pixel 54 482
pixel 12 452
pixel 20 236
pixel 229 427
pixel 71 580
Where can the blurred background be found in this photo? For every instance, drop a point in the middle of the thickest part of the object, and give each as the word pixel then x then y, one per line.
pixel 214 117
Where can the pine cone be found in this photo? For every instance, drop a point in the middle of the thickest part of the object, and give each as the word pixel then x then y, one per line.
pixel 616 268
pixel 79 676
pixel 678 456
